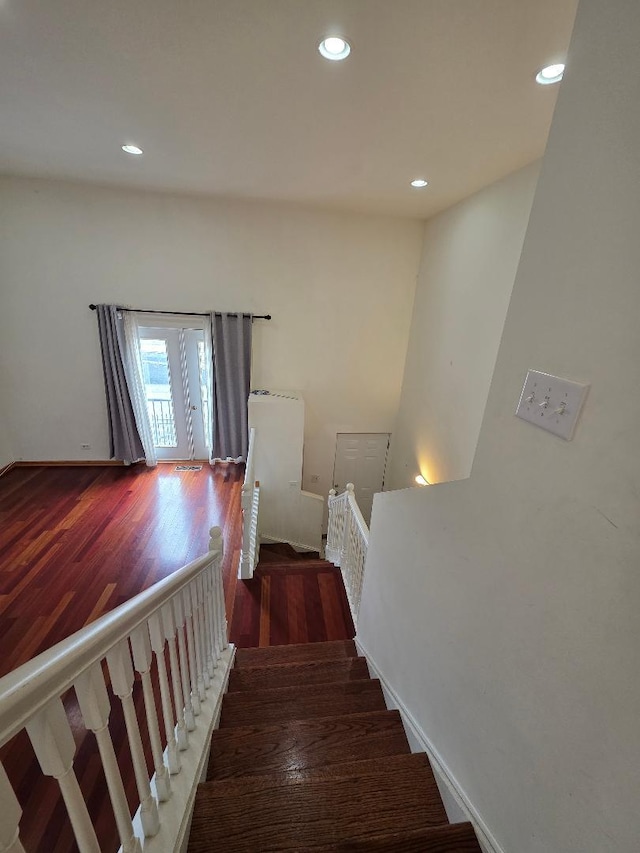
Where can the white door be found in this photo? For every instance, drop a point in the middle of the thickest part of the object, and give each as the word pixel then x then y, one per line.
pixel 361 459
pixel 177 387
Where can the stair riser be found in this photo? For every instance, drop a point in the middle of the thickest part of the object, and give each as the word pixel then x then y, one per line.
pixel 457 838
pixel 291 703
pixel 306 652
pixel 285 675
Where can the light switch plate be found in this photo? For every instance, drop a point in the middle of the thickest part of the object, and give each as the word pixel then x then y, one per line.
pixel 551 402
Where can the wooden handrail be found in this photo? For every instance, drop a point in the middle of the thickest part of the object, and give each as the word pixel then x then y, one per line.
pixel 29 688
pixel 183 613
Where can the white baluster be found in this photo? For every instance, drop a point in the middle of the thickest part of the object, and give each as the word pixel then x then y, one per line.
pixel 344 546
pixel 208 624
pixel 10 813
pixel 331 527
pixel 178 614
pixel 121 671
pixel 168 623
pixel 141 648
pixel 191 645
pixel 198 630
pixel 212 619
pixel 255 521
pixel 156 633
pixel 219 607
pixel 197 646
pixel 216 544
pixel 246 502
pixel 94 705
pixel 53 744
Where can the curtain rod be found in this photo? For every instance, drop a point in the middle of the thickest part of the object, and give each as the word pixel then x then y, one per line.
pixel 186 313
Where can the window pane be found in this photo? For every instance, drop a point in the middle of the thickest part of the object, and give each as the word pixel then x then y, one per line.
pixel 157 381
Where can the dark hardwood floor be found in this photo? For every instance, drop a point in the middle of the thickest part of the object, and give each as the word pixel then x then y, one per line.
pixel 75 542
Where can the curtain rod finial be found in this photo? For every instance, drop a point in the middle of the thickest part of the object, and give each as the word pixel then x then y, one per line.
pixel 93 307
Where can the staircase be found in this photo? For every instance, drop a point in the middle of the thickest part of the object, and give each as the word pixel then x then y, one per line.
pixel 307 758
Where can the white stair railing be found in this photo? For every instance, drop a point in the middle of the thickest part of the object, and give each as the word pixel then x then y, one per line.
pixel 191 602
pixel 347 543
pixel 250 502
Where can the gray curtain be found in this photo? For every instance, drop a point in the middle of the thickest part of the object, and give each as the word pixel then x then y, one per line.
pixel 124 438
pixel 231 377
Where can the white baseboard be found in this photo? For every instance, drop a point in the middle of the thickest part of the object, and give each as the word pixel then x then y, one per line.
pixel 459 806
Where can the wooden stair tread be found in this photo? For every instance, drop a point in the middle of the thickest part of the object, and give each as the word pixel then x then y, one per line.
pixel 453 838
pixel 299 745
pixel 297 652
pixel 302 702
pixel 329 806
pixel 299 672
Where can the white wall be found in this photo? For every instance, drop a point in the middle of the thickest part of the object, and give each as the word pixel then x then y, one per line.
pixel 469 262
pixel 504 609
pixel 339 286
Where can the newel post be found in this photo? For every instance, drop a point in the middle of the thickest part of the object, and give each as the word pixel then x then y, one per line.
pixel 216 542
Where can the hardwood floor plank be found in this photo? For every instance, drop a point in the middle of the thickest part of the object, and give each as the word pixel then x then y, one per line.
pixel 279 615
pixel 265 612
pixel 330 605
pixel 295 609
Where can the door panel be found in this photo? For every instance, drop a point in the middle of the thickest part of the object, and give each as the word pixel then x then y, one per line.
pixel 361 459
pixel 198 390
pixel 174 370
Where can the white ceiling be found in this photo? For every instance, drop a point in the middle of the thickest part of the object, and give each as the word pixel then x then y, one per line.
pixel 231 97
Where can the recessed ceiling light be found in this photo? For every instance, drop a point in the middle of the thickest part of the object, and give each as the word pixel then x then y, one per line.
pixel 132 149
pixel 334 48
pixel 550 74
pixel 419 182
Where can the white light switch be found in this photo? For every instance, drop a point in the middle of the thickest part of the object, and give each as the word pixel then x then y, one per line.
pixel 551 402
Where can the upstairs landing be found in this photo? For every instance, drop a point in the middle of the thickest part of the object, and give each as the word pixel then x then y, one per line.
pixel 292 598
